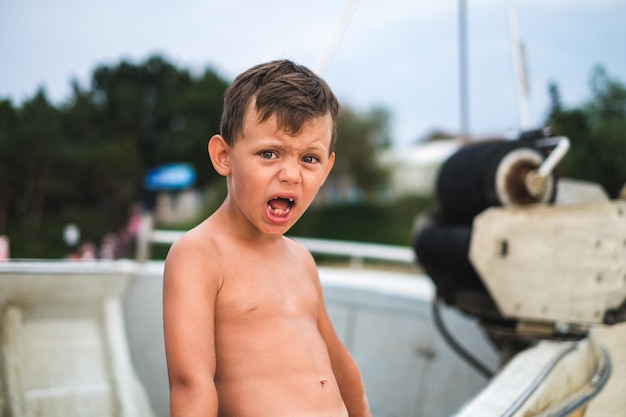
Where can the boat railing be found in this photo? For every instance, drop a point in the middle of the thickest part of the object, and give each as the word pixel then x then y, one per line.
pixel 357 253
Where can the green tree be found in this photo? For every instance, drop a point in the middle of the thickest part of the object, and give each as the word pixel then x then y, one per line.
pixel 168 114
pixel 36 153
pixel 85 160
pixel 597 130
pixel 8 120
pixel 360 138
pixel 193 116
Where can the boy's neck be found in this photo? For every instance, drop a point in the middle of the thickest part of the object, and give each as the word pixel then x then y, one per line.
pixel 237 226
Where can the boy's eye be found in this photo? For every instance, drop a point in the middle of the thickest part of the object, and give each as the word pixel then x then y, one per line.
pixel 267 154
pixel 310 159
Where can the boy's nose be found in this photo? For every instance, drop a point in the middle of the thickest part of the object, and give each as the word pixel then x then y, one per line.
pixel 290 172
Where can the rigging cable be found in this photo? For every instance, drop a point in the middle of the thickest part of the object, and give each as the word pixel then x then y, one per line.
pixel 454 344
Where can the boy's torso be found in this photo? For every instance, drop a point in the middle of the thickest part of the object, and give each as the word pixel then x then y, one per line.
pixel 271 357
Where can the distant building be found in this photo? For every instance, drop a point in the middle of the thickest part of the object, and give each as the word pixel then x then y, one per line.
pixel 414 168
pixel 178 206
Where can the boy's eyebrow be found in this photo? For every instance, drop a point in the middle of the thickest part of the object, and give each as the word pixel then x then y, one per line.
pixel 276 143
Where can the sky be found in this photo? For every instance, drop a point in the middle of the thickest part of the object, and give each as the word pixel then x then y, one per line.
pixel 398 54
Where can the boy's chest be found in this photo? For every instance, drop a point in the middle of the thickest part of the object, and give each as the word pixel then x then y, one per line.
pixel 256 289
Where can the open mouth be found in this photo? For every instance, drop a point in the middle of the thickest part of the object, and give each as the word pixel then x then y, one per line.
pixel 280 206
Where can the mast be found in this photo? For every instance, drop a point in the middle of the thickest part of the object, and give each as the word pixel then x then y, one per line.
pixel 323 60
pixel 463 70
pixel 520 73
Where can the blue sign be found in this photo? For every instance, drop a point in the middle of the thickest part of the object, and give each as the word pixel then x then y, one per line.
pixel 171 177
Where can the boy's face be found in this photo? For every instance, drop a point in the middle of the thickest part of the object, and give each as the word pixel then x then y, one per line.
pixel 273 176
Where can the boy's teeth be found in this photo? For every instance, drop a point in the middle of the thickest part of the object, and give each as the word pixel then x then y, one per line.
pixel 281 206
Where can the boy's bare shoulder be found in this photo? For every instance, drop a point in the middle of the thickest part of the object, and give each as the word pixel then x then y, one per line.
pixel 193 243
pixel 195 253
pixel 303 254
pixel 300 249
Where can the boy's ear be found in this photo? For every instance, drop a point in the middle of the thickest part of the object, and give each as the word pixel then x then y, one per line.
pixel 329 167
pixel 219 152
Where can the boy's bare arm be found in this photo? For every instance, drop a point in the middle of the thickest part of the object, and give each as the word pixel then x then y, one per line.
pixel 189 291
pixel 348 376
pixel 344 367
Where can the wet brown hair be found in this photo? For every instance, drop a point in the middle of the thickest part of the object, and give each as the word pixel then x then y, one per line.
pixel 291 92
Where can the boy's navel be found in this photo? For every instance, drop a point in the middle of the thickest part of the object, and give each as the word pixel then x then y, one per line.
pixel 252 307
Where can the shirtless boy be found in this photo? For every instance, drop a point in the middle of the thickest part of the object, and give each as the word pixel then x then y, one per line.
pixel 247 333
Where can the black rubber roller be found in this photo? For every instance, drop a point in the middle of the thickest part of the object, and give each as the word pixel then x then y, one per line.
pixel 488 174
pixel 443 252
